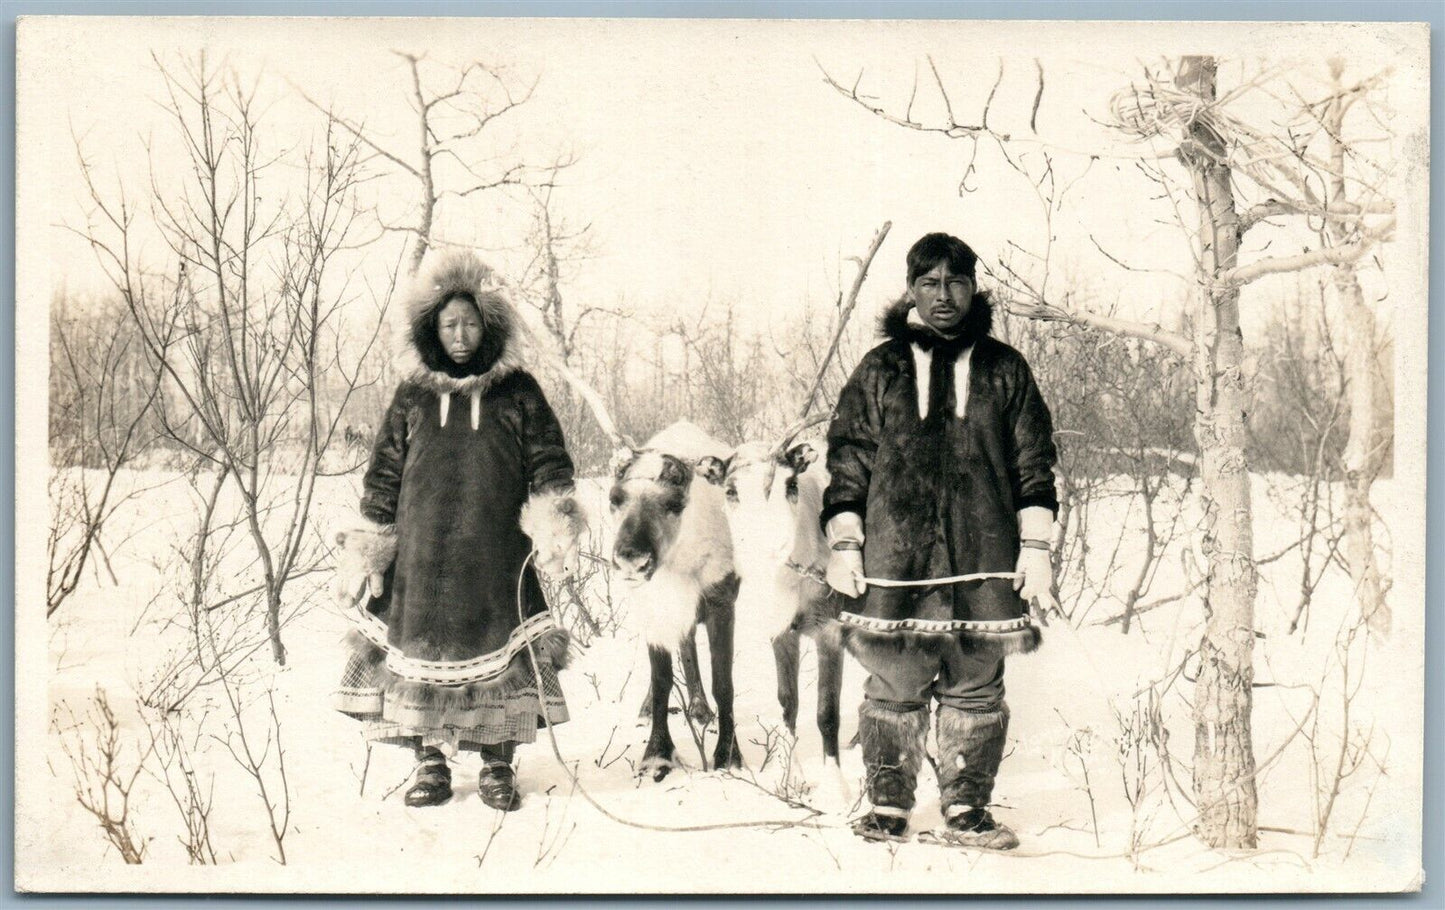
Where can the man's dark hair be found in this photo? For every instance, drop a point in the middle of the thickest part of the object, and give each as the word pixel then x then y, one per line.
pixel 932 249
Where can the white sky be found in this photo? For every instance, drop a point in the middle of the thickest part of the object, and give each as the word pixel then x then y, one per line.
pixel 715 162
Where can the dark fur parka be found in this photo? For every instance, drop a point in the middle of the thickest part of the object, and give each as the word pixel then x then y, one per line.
pixel 461 449
pixel 939 493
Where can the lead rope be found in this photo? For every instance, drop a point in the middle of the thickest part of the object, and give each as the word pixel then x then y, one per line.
pixel 946 580
pixel 813 573
pixel 576 781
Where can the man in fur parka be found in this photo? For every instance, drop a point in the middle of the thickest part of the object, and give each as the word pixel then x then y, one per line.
pixel 468 472
pixel 941 457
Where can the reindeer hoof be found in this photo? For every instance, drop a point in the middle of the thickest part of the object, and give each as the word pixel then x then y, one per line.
pixel 656 767
pixel 727 757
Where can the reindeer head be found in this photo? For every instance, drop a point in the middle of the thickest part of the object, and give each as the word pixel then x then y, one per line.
pixel 761 485
pixel 649 494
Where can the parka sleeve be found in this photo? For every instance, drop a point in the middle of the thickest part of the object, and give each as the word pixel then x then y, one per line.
pixel 1033 439
pixel 382 485
pixel 853 438
pixel 549 467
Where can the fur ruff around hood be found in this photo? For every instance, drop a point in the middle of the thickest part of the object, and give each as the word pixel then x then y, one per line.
pixel 419 353
pixel 899 322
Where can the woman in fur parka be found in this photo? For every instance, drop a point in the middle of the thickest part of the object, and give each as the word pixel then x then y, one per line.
pixel 940 458
pixel 468 472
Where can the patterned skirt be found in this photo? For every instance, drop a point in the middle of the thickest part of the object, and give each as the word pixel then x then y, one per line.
pixel 448 717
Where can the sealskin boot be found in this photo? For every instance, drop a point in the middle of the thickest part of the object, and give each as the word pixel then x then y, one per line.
pixel 876 826
pixel 892 742
pixel 497 786
pixel 433 784
pixel 970 749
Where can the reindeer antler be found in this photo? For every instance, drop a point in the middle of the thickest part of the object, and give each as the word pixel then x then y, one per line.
pixel 792 432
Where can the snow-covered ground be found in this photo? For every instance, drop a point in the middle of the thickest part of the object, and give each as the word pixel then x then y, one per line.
pixel 1066 785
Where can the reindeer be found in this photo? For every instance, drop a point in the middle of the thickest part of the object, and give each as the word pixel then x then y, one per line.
pixel 672 542
pixel 774 496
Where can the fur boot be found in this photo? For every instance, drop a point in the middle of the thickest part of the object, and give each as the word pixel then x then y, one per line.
pixel 970 749
pixel 892 754
pixel 497 785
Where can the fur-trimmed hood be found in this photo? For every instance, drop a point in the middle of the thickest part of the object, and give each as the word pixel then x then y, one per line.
pixel 899 322
pixel 419 352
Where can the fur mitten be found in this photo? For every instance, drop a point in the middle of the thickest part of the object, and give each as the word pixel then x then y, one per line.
pixel 367 551
pixel 556 523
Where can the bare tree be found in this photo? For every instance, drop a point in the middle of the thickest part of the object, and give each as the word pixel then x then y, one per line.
pixel 174 767
pixel 102 388
pixel 252 324
pixel 1177 115
pixel 457 111
pixel 103 777
pixel 1365 450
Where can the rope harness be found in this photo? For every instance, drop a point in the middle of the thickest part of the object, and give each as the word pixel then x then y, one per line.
pixel 807 821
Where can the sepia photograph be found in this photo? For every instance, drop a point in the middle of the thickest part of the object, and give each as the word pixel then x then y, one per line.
pixel 716 456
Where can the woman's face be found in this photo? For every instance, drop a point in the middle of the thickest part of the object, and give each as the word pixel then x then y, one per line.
pixel 460 330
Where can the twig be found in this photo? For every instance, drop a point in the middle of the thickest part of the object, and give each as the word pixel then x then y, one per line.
pixel 844 311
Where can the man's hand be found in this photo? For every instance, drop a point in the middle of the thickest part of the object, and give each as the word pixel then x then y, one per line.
pixel 845 572
pixel 1035 583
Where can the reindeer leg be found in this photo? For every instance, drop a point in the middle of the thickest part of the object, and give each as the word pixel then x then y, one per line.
pixel 644 710
pixel 830 686
pixel 720 608
pixel 697 707
pixel 660 756
pixel 785 657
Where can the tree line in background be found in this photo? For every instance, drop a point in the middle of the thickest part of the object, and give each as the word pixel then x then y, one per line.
pixel 1116 401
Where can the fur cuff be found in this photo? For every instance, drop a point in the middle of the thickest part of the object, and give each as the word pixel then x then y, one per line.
pixel 845 526
pixel 369 546
pixel 1036 523
pixel 555 522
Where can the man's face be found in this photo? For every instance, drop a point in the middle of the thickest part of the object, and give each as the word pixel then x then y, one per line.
pixel 942 298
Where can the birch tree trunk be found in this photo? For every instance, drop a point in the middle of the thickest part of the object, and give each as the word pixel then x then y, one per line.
pixel 1361 459
pixel 1224 768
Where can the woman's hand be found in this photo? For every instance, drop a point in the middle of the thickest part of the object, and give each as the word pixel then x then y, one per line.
pixel 1035 583
pixel 366 552
pixel 556 524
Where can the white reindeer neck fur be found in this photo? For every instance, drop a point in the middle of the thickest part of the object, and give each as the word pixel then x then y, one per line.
pixel 773 590
pixel 701 554
pixel 703 548
pixel 666 607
